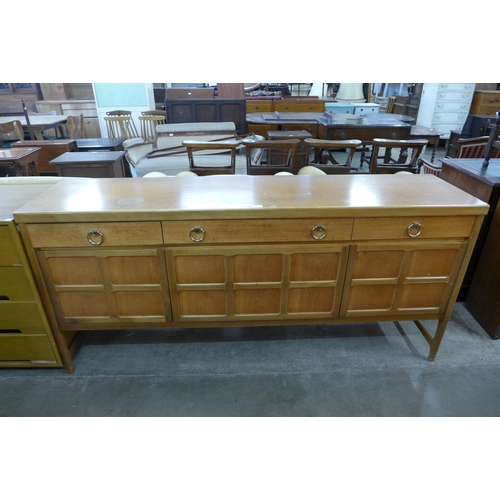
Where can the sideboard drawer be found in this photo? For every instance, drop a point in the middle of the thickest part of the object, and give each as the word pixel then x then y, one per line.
pixel 254 231
pixel 101 233
pixel 419 227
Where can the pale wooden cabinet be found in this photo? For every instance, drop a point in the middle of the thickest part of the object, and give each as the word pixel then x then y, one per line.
pixel 235 250
pixel 26 339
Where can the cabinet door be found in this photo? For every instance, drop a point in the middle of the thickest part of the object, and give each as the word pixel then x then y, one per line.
pixel 106 286
pixel 256 282
pixel 401 279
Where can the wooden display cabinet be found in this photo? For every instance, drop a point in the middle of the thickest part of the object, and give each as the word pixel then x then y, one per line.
pixel 173 252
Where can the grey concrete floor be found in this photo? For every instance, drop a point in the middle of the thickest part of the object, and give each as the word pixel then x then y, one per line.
pixel 300 371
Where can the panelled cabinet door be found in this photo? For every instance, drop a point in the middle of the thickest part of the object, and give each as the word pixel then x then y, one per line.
pixel 255 283
pixel 106 286
pixel 400 279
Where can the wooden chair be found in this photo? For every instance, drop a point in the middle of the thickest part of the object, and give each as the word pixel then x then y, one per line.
pixel 427 167
pixel 320 154
pixel 148 125
pixel 282 151
pixel 154 112
pixel 119 112
pixel 75 127
pixel 195 147
pixel 403 163
pixel 474 147
pixel 121 126
pixel 11 132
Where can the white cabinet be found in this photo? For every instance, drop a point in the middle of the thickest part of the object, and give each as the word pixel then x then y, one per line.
pixel 445 106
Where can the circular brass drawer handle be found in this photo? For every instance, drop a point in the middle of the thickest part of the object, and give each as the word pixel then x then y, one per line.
pixel 414 229
pixel 319 228
pixel 197 231
pixel 95 237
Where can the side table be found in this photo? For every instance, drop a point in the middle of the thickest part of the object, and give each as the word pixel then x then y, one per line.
pixel 18 162
pixel 101 144
pixel 96 164
pixel 300 158
pixel 49 149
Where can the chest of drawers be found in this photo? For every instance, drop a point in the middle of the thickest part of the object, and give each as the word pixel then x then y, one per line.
pixel 26 339
pixel 445 106
pixel 485 102
pixel 238 250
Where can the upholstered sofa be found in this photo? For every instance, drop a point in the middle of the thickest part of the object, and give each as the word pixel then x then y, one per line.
pixel 158 156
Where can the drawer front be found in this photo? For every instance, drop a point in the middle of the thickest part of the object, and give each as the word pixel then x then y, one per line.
pixel 261 129
pixel 454 96
pixel 256 231
pixel 87 109
pixel 109 234
pixel 9 255
pixel 259 106
pixel 386 228
pixel 486 110
pixel 487 99
pixel 18 347
pixel 315 106
pixel 14 284
pixel 312 129
pixel 449 117
pixel 457 106
pixel 456 86
pixel 20 317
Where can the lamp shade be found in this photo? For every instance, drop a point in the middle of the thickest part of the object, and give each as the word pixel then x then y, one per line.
pixel 350 92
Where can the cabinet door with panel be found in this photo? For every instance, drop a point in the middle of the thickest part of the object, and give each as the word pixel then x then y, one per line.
pixel 94 277
pixel 106 286
pixel 403 265
pixel 401 279
pixel 273 282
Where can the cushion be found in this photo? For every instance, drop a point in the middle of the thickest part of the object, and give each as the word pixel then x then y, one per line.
pixel 132 142
pixel 139 151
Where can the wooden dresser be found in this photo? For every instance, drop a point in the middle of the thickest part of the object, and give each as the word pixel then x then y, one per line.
pixel 219 251
pixel 485 102
pixel 26 338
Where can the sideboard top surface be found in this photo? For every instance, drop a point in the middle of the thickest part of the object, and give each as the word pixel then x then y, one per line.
pixel 14 196
pixel 243 197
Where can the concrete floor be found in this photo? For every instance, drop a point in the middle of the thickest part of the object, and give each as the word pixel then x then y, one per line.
pixel 348 370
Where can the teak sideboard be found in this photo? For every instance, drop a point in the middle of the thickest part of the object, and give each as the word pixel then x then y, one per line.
pixel 242 250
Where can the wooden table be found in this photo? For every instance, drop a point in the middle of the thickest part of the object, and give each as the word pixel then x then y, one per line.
pixel 90 164
pixel 340 127
pixel 18 162
pixel 39 123
pixel 262 123
pixel 218 251
pixel 480 289
pixel 101 144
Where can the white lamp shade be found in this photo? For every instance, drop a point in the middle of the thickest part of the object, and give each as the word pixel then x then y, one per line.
pixel 350 92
